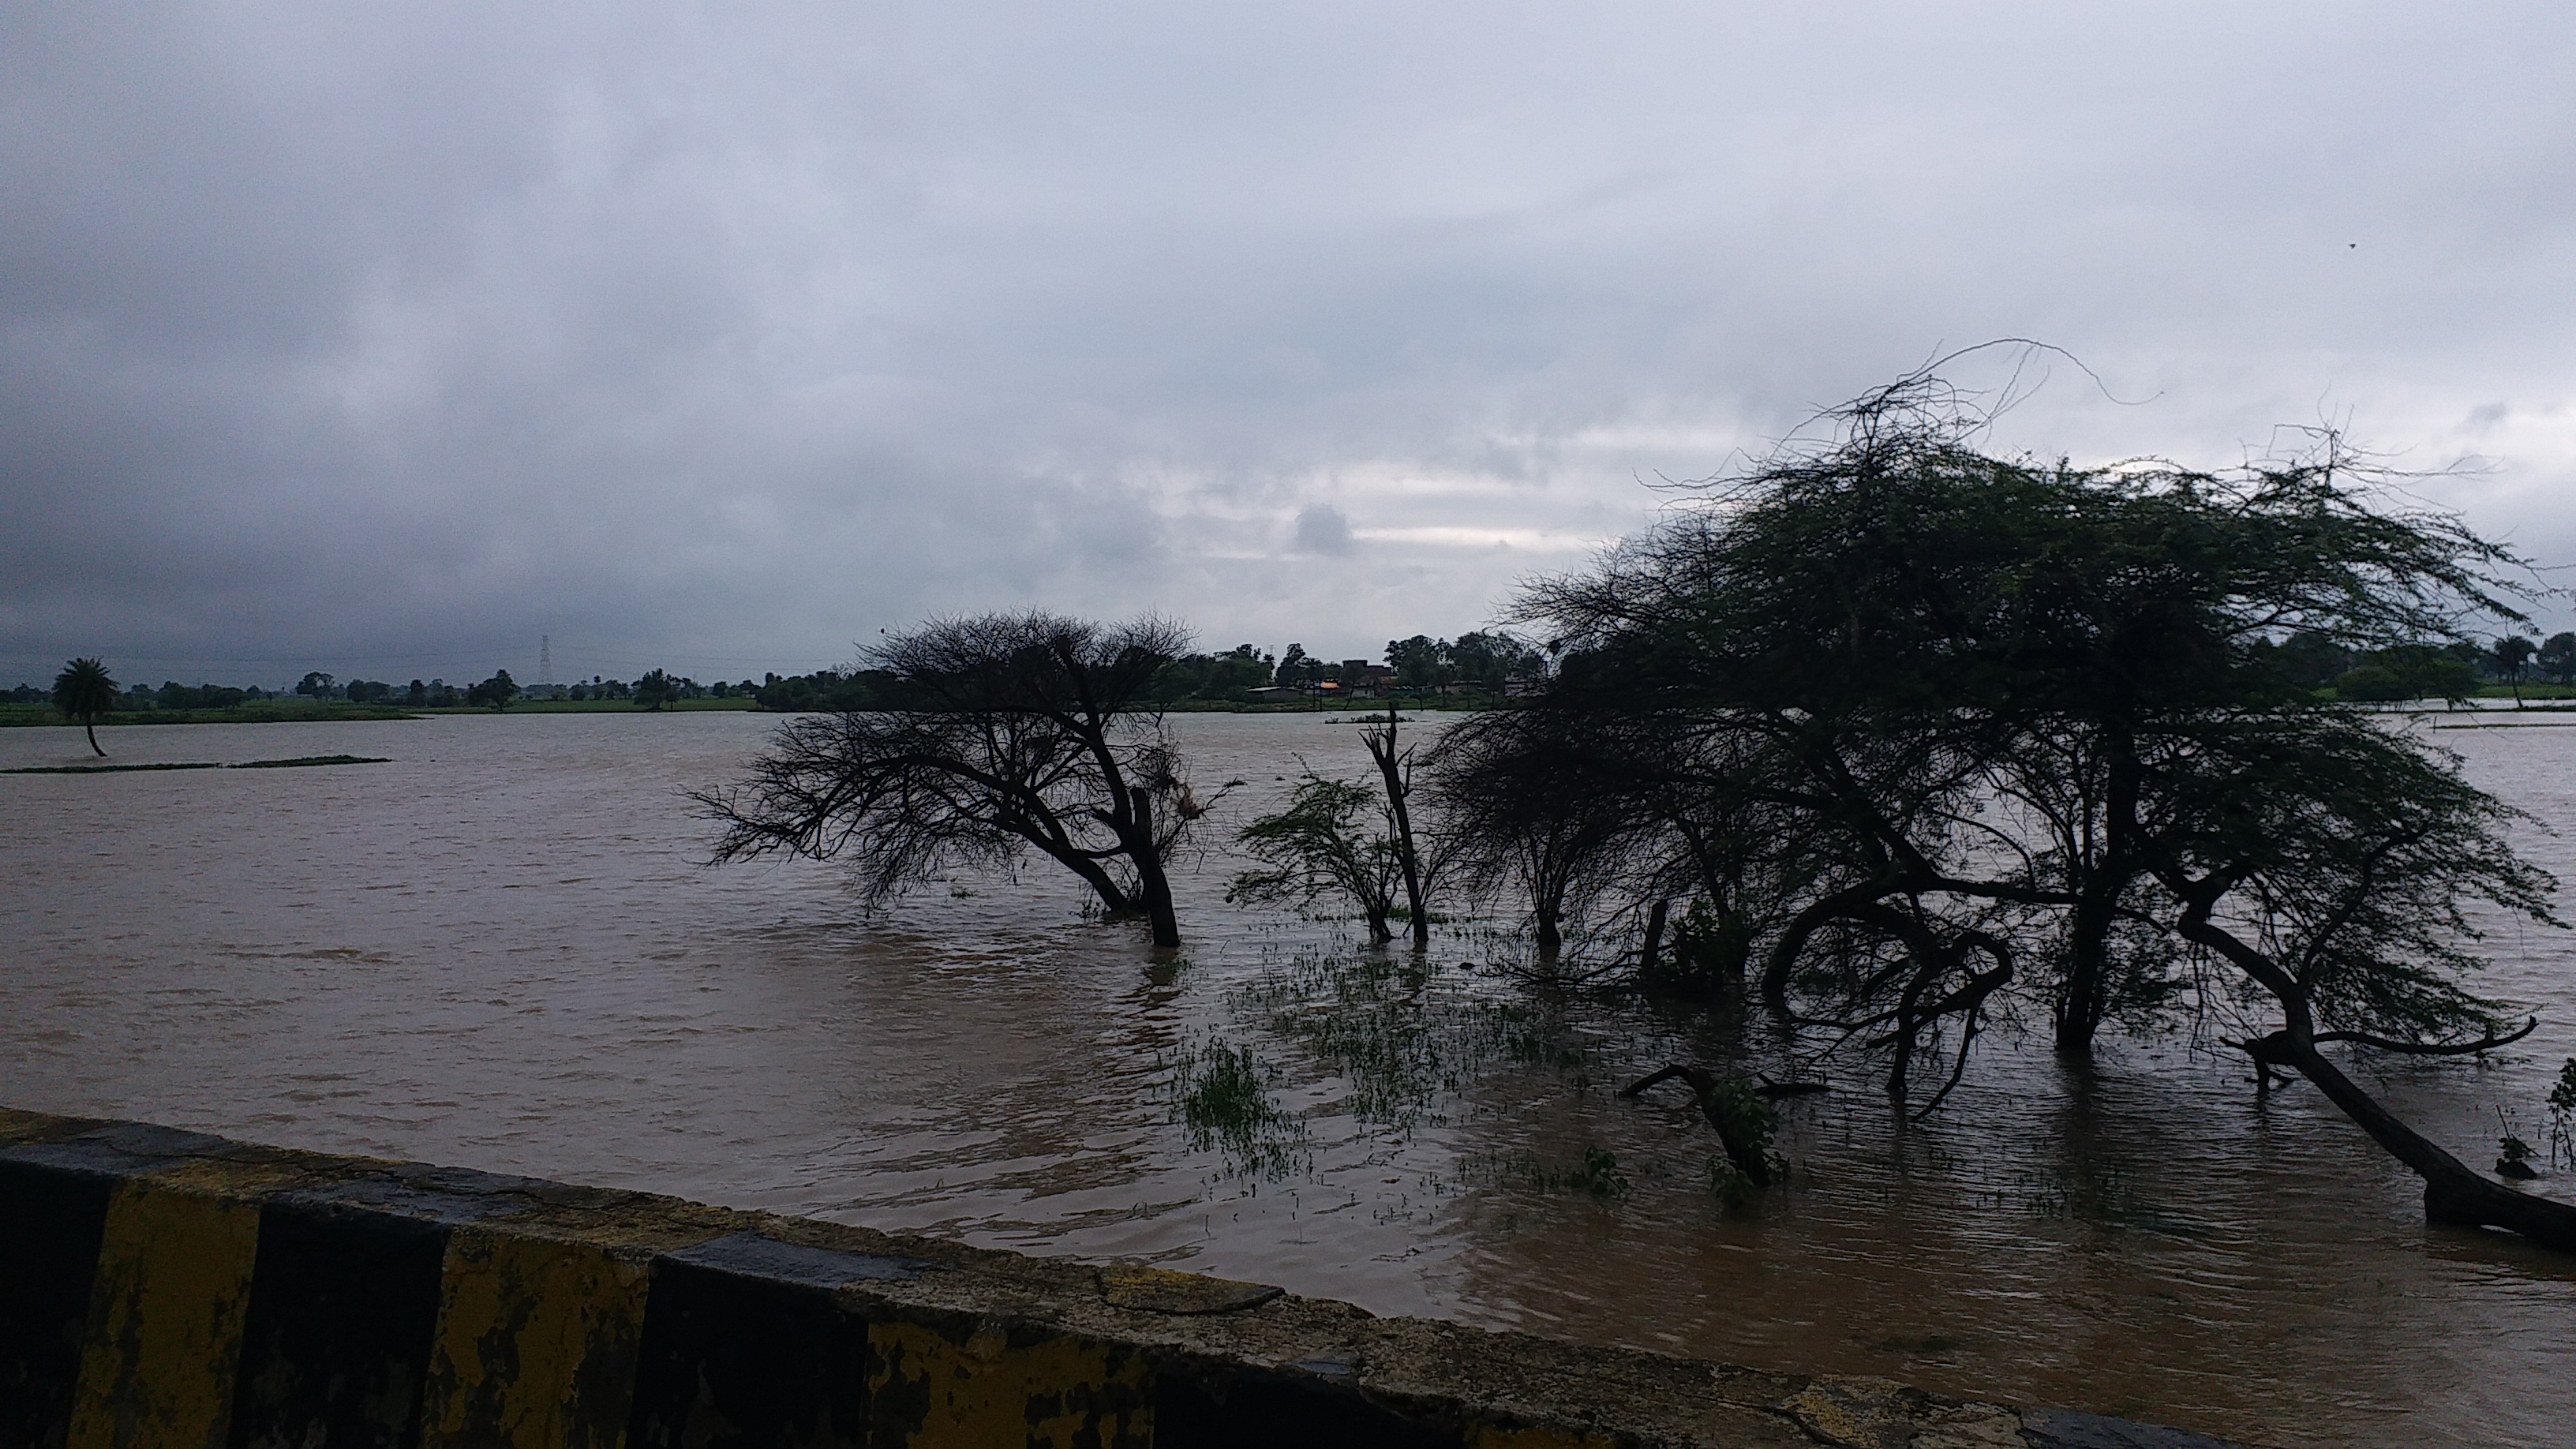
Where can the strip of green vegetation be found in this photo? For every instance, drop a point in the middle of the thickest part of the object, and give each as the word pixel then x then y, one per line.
pixel 1223 1096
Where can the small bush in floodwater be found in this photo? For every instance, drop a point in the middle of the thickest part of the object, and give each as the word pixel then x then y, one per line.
pixel 1224 1100
pixel 1599 1176
pixel 1705 958
pixel 1730 1184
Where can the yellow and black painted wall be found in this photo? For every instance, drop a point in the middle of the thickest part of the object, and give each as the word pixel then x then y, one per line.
pixel 169 1288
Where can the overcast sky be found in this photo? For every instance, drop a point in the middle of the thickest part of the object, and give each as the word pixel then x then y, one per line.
pixel 384 340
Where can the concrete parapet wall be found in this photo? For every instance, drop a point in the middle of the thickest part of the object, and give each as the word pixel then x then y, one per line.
pixel 168 1288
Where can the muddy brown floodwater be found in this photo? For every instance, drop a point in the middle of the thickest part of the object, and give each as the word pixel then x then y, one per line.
pixel 501 950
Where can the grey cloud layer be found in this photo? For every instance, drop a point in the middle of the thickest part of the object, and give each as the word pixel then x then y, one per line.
pixel 388 338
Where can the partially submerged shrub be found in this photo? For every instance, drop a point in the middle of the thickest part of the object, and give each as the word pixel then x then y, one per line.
pixel 1706 956
pixel 1597 1175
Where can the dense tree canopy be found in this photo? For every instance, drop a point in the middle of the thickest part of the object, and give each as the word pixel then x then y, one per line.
pixel 992 736
pixel 1944 729
pixel 496 691
pixel 2557 657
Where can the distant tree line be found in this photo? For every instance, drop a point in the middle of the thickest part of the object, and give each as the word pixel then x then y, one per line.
pixel 656 688
pixel 172 695
pixel 1477 663
pixel 2454 670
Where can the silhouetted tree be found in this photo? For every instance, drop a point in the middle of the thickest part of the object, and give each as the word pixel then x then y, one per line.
pixel 2512 655
pixel 1394 762
pixel 1519 812
pixel 1420 662
pixel 496 691
pixel 1492 659
pixel 2557 657
pixel 85 694
pixel 996 734
pixel 655 690
pixel 2035 724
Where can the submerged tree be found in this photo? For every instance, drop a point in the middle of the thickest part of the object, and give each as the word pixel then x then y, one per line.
pixel 2335 866
pixel 2007 708
pixel 1522 814
pixel 1001 734
pixel 1322 844
pixel 85 695
pixel 1395 775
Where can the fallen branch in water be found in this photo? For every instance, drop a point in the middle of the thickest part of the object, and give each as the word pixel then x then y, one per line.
pixel 2489 1042
pixel 1743 1120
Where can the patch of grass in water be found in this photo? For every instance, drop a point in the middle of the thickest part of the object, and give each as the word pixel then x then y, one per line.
pixel 1597 1175
pixel 306 761
pixel 1222 1095
pixel 1403 1035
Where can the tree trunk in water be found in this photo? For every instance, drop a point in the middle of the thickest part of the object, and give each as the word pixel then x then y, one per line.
pixel 1112 900
pixel 2454 1192
pixel 1746 1155
pixel 1650 955
pixel 2080 1001
pixel 1390 768
pixel 1151 883
pixel 1550 944
pixel 92 726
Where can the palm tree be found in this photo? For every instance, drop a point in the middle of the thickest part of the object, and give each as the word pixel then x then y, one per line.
pixel 84 693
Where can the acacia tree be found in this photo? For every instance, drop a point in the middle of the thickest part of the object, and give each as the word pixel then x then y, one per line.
pixel 85 695
pixel 1318 846
pixel 1003 733
pixel 1964 662
pixel 2335 865
pixel 1519 814
pixel 2013 706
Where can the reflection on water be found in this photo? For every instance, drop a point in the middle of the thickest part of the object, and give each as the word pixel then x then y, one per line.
pixel 499 950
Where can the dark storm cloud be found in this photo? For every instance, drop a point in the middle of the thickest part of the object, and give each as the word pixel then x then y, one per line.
pixel 384 339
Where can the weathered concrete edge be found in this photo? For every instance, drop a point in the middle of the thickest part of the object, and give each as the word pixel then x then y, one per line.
pixel 518 1258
